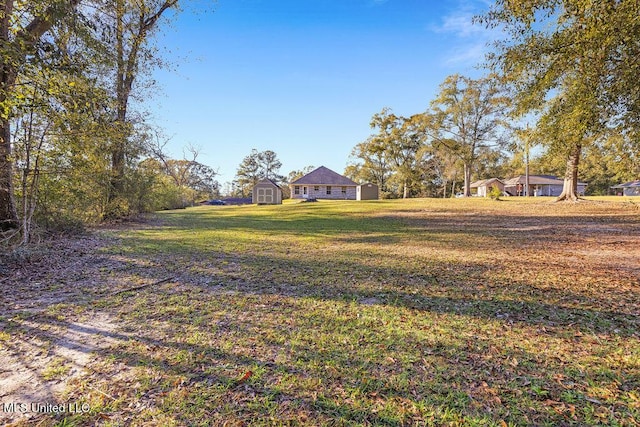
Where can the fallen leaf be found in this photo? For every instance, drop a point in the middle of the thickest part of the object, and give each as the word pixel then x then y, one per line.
pixel 244 378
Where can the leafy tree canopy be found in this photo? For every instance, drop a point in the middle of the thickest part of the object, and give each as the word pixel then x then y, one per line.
pixel 575 63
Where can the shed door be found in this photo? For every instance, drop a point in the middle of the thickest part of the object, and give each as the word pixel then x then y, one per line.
pixel 265 195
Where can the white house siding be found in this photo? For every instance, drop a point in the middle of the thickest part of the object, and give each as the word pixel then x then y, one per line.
pixel 483 187
pixel 321 192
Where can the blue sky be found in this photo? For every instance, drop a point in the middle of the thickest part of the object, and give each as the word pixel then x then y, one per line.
pixel 304 77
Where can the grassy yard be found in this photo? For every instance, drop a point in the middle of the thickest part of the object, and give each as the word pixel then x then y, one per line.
pixel 399 313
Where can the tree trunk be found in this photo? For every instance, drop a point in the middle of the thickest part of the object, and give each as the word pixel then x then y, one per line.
pixel 527 187
pixel 8 213
pixel 127 62
pixel 405 191
pixel 117 151
pixel 570 188
pixel 117 187
pixel 467 180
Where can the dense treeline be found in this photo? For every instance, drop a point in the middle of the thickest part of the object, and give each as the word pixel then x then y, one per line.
pixel 568 68
pixel 72 150
pixel 429 153
pixel 439 152
pixel 426 155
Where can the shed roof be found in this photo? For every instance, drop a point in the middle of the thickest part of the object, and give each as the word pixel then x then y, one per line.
pixel 484 182
pixel 268 181
pixel 324 176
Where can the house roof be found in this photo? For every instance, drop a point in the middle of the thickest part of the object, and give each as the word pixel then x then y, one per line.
pixel 484 182
pixel 324 176
pixel 268 181
pixel 533 180
pixel 629 184
pixel 536 180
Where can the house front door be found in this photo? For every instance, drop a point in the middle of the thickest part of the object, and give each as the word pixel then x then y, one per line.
pixel 305 192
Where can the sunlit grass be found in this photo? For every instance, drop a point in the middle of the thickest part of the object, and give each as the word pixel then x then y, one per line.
pixel 405 312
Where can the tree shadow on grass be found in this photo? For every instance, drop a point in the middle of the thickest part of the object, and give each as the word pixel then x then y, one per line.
pixel 194 371
pixel 365 379
pixel 461 287
pixel 361 387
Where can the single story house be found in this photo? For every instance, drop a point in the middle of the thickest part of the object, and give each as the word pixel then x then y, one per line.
pixel 631 188
pixel 266 192
pixel 367 191
pixel 539 185
pixel 483 187
pixel 323 183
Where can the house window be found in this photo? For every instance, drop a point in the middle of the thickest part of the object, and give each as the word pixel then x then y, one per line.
pixel 296 189
pixel 344 190
pixel 328 189
pixel 316 188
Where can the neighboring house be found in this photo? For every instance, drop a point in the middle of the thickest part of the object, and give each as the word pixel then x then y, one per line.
pixel 631 188
pixel 483 187
pixel 368 191
pixel 323 183
pixel 539 185
pixel 266 192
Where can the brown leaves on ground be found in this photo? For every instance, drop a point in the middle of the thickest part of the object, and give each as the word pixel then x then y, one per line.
pixel 403 313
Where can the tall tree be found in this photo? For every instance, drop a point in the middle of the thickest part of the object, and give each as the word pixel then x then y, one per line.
pixel 576 63
pixel 188 173
pixel 370 164
pixel 446 167
pixel 256 166
pixel 270 166
pixel 400 139
pixel 248 173
pixel 467 118
pixel 22 27
pixel 129 26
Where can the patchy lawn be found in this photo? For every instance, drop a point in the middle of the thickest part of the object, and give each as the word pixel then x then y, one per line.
pixel 419 312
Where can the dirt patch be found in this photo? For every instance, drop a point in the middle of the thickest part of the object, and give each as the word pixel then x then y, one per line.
pixel 48 331
pixel 40 358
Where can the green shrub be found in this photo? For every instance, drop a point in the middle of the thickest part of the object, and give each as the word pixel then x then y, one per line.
pixel 495 193
pixel 117 208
